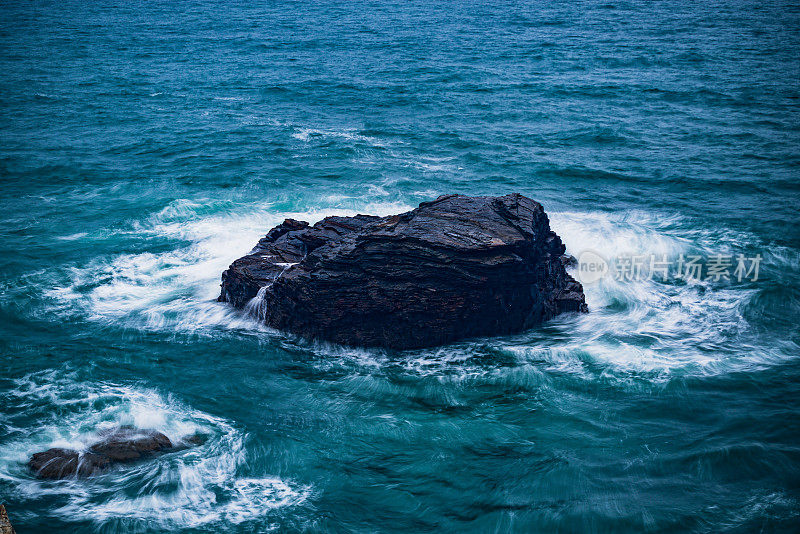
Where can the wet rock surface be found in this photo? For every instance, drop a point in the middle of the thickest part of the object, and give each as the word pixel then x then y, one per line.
pixel 126 444
pixel 122 444
pixel 5 523
pixel 453 268
pixel 62 463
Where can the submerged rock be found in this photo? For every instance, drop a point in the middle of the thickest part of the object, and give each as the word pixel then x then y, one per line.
pixel 59 463
pixel 453 268
pixel 122 444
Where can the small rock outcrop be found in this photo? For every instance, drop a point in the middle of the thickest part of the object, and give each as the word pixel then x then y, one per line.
pixel 5 523
pixel 126 444
pixel 122 444
pixel 59 463
pixel 453 268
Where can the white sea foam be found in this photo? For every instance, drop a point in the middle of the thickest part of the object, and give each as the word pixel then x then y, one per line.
pixel 409 159
pixel 636 328
pixel 193 487
pixel 176 290
pixel 73 237
pixel 645 325
pixel 639 326
pixel 348 134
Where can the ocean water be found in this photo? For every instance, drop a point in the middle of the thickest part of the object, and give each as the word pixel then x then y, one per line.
pixel 144 146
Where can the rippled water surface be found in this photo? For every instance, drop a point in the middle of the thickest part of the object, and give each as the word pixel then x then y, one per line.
pixel 145 146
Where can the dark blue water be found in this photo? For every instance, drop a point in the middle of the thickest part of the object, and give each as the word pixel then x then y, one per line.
pixel 144 146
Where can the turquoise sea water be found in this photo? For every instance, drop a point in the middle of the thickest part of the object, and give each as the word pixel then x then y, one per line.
pixel 144 146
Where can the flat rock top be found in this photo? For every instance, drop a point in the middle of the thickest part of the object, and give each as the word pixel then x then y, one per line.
pixel 452 227
pixel 126 443
pixel 462 223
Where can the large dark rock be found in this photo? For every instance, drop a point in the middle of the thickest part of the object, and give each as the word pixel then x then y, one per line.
pixel 453 268
pixel 123 444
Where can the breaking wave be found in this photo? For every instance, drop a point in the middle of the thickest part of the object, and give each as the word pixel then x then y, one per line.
pixel 177 290
pixel 193 487
pixel 644 327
